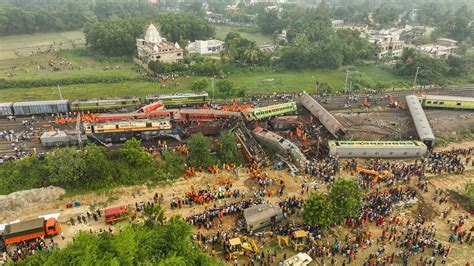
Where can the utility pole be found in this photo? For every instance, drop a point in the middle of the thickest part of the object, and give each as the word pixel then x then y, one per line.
pixel 59 92
pixel 414 81
pixel 212 85
pixel 347 77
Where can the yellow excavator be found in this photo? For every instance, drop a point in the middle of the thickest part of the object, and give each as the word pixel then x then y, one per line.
pixel 298 240
pixel 237 247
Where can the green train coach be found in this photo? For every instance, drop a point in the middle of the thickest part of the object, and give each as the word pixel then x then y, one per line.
pixel 447 102
pixel 269 111
pixel 105 104
pixel 180 99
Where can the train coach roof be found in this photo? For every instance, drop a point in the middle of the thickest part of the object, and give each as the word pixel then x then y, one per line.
pixel 178 95
pixel 261 212
pixel 33 224
pixel 448 98
pixel 5 104
pixel 51 102
pixel 420 121
pixel 106 100
pixel 374 143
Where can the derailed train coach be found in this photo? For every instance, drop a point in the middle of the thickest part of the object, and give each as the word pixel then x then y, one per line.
pixel 420 121
pixel 377 149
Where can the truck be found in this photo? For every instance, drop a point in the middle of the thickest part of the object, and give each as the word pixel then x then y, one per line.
pixel 117 214
pixel 28 230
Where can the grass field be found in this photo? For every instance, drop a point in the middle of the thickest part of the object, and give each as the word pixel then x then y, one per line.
pixel 71 63
pixel 248 33
pixel 252 83
pixel 26 43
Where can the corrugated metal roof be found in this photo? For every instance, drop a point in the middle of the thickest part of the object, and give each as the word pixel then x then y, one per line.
pixel 50 102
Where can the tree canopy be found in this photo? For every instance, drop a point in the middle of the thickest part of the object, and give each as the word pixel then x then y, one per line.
pixel 318 210
pixel 346 198
pixel 28 16
pixel 116 37
pixel 89 169
pixel 431 70
pixel 200 151
pixel 154 243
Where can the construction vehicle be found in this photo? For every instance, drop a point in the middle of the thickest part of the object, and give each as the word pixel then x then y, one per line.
pixel 28 230
pixel 237 247
pixel 373 173
pixel 116 214
pixel 298 240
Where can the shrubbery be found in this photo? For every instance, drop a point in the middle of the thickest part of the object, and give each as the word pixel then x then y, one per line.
pixel 136 244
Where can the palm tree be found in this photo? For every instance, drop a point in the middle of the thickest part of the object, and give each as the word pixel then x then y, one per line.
pixel 251 54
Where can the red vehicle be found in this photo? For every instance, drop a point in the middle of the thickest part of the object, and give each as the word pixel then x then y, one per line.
pixel 27 230
pixel 116 214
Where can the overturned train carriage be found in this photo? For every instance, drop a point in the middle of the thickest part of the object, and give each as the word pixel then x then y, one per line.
pixel 377 149
pixel 418 117
pixel 281 146
pixel 326 118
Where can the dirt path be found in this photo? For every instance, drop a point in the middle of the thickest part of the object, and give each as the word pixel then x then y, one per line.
pixel 130 195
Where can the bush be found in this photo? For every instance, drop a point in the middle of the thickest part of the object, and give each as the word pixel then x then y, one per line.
pixel 91 169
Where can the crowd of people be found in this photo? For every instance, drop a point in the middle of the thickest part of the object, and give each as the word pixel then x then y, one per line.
pixel 27 248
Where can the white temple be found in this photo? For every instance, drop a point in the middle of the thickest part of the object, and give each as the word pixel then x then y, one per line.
pixel 156 48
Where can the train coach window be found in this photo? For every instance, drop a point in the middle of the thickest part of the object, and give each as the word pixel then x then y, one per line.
pixel 364 153
pixel 124 102
pixel 435 102
pixel 390 153
pixel 405 153
pixel 458 104
pixel 441 103
pixel 377 153
pixel 428 102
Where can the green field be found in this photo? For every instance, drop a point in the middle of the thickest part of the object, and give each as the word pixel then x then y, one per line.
pixel 248 33
pixel 252 83
pixel 70 64
pixel 26 43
